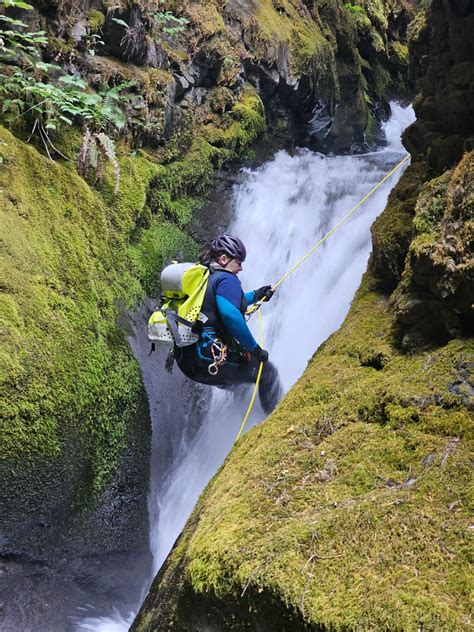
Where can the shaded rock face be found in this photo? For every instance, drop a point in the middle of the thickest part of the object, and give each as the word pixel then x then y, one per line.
pixel 322 71
pixel 40 516
pixel 443 54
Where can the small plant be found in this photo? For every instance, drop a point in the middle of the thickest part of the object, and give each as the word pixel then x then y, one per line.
pixel 133 36
pixel 28 92
pixel 93 41
pixel 97 148
pixel 121 22
pixel 170 24
pixel 49 105
pixel 354 8
pixel 17 45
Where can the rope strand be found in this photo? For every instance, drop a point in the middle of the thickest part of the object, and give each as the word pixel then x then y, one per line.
pixel 257 305
pixel 257 382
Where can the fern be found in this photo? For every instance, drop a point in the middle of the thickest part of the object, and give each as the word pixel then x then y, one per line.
pixel 108 148
pixel 47 104
pixel 96 150
pixel 170 24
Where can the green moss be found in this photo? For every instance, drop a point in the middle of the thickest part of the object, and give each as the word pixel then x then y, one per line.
pixel 392 231
pixel 61 50
pixel 400 51
pixel 341 503
pixel 244 125
pixel 369 130
pixel 157 245
pixel 431 204
pixel 284 28
pixel 377 12
pixel 417 27
pixel 355 8
pixel 206 19
pixel 96 20
pixel 309 50
pixel 66 369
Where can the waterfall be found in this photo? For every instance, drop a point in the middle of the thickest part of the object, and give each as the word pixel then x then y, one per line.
pixel 281 210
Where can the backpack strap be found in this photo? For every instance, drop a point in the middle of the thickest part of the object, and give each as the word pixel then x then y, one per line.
pixel 172 319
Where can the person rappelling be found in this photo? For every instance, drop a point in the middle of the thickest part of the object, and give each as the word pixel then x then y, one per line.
pixel 204 317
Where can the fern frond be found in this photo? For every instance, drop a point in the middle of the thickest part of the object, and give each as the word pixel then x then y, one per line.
pixel 108 147
pixel 93 154
pixel 83 156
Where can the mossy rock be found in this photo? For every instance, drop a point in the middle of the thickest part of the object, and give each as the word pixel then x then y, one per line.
pixel 96 20
pixel 393 230
pixel 68 376
pixel 316 511
pixel 433 302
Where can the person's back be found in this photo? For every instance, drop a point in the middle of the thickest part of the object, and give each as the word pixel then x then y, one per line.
pixel 227 353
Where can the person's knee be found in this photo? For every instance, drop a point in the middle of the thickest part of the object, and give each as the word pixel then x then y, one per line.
pixel 270 388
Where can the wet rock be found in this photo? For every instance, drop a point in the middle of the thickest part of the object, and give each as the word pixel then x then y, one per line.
pixel 182 85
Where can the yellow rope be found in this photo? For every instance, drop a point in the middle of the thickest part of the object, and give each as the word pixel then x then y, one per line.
pixel 257 305
pixel 260 368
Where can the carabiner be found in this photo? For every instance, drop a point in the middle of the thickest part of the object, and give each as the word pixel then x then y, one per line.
pixel 213 369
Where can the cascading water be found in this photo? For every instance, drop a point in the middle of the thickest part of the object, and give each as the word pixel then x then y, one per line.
pixel 281 210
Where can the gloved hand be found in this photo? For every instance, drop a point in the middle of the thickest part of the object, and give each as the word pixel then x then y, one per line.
pixel 260 354
pixel 265 292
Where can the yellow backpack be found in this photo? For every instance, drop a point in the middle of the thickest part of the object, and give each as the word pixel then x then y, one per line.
pixel 183 286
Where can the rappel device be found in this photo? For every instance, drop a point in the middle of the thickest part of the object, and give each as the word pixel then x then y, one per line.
pixel 178 319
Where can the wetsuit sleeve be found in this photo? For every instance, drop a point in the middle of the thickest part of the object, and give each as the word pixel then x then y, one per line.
pixel 228 293
pixel 235 323
pixel 250 297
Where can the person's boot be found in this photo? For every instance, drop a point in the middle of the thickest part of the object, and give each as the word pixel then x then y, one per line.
pixel 270 389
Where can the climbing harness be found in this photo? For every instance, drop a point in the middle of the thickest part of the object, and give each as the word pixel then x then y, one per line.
pixel 219 355
pixel 256 306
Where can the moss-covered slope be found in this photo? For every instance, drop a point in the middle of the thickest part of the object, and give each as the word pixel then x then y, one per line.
pixel 349 505
pixel 72 397
pixel 75 256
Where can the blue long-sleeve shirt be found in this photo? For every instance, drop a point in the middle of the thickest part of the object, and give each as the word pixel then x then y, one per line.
pixel 228 292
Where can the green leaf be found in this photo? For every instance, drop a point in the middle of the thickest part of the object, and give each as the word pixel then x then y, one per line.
pixel 17 4
pixel 121 22
pixel 41 65
pixel 65 119
pixel 72 80
pixel 5 18
pixel 51 125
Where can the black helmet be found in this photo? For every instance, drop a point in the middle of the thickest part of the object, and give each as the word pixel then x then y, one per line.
pixel 229 245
